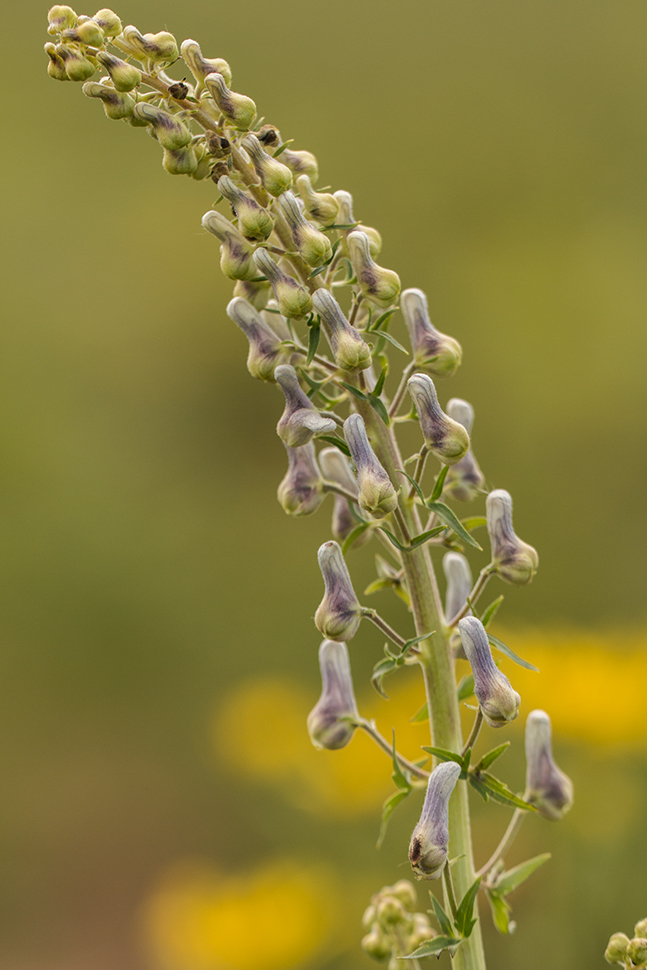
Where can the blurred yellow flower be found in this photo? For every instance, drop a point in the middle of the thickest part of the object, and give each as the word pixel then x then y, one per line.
pixel 277 918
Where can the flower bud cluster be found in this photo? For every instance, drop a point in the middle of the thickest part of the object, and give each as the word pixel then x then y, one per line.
pixel 628 953
pixel 394 928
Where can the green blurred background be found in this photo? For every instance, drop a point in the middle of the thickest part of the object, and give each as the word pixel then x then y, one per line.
pixel 149 577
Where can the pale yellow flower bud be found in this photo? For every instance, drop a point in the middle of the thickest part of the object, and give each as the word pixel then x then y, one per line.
pixel 115 104
pixel 60 18
pixel 108 21
pixel 124 76
pixel 321 206
pixel 236 254
pixel 293 299
pixel 201 66
pixel 446 439
pixel 433 351
pixel 238 109
pixel 275 177
pixel 254 221
pixel 379 285
pixel 266 353
pixel 313 245
pixel 376 492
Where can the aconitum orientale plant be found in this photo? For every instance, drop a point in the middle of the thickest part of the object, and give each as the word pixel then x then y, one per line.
pixel 315 306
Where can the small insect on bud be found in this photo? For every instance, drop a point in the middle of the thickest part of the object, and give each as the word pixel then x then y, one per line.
pixel 376 492
pixel 380 286
pixel 430 839
pixel 446 439
pixel 616 951
pixel 292 298
pixel 327 724
pixel 60 18
pixel 459 583
pixel 179 91
pixel 637 952
pixel 300 420
pixel 321 206
pixel 115 104
pixel 77 67
pixel 350 351
pixel 268 136
pixel 465 479
pixel 124 76
pixel 301 163
pixel 515 561
pixel 217 145
pixel 238 109
pixel 339 614
pixel 159 48
pixel 265 350
pixel 547 788
pixel 275 177
pixel 313 246
pixel 498 701
pixel 180 161
pixel 236 254
pixel 201 66
pixel 254 221
pixel 301 492
pixel 88 33
pixel 169 130
pixel 56 64
pixel 640 929
pixel 108 21
pixel 377 944
pixel 336 469
pixel 257 293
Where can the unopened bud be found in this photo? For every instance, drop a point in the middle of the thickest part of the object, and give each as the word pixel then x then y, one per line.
pixel 433 351
pixel 180 161
pixel 616 951
pixel 275 177
pixel 256 293
pixel 547 788
pixel 377 944
pixel 159 48
pixel 201 66
pixel 115 104
pixel 640 929
pixel 108 21
pixel 265 350
pixel 515 561
pixel 293 299
pixel 301 492
pixel 336 469
pixel 238 109
pixel 301 163
pixel 328 726
pixel 77 67
pixel 88 33
pixel 459 583
pixel 421 931
pixel 169 130
pixel 379 285
pixel 56 64
pixel 464 479
pixel 446 439
pixel 345 217
pixel 254 221
pixel 637 952
pixel 313 246
pixel 430 839
pixel 390 910
pixel 376 492
pixel 339 614
pixel 498 701
pixel 300 420
pixel 350 351
pixel 405 891
pixel 276 321
pixel 321 206
pixel 124 76
pixel 60 18
pixel 236 254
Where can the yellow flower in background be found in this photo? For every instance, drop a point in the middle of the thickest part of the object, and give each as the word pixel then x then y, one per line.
pixel 276 918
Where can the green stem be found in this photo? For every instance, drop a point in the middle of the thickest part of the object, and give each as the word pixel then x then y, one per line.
pixel 505 843
pixel 382 625
pixel 474 733
pixel 449 889
pixel 380 740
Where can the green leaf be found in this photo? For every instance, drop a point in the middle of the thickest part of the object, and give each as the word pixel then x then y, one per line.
pixel 492 610
pixel 421 715
pixel 412 642
pixel 389 535
pixel 282 147
pixel 445 513
pixel 464 920
pixel 355 391
pixel 379 384
pixel 380 670
pixel 388 809
pixel 444 755
pixel 514 877
pixel 355 534
pixel 313 342
pixel 337 442
pixel 478 786
pixel 465 687
pixel 438 487
pixel 413 482
pixel 474 522
pixel 425 536
pixel 377 585
pixel 499 792
pixel 318 271
pixel 500 645
pixel 443 919
pixel 435 946
pixel 387 336
pixel 382 319
pixel 342 225
pixel 489 758
pixel 500 912
pixel 378 406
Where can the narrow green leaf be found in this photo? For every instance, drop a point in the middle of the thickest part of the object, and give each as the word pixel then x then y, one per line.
pixel 444 755
pixel 412 642
pixel 268 309
pixel 500 645
pixel 478 786
pixel 438 487
pixel 465 687
pixel 500 792
pixel 342 225
pixel 432 947
pixel 514 877
pixel 380 670
pixel 387 336
pixel 492 610
pixel 313 342
pixel 489 758
pixel 500 912
pixel 398 777
pixel 382 319
pixel 425 536
pixel 444 921
pixel 355 391
pixel 378 406
pixel 377 585
pixel 474 522
pixel 388 809
pixel 355 534
pixel 318 271
pixel 464 922
pixel 282 147
pixel 337 442
pixel 379 384
pixel 445 513
pixel 389 535
pixel 421 715
pixel 258 279
pixel 413 482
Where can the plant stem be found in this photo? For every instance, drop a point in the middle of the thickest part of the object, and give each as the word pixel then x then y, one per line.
pixel 402 386
pixel 380 740
pixel 474 733
pixel 477 589
pixel 505 843
pixel 382 625
pixel 449 889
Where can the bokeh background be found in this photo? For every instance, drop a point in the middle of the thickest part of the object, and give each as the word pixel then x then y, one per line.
pixel 161 808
